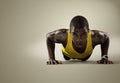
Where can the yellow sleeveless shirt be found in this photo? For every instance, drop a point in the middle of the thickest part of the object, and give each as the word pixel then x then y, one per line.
pixel 71 53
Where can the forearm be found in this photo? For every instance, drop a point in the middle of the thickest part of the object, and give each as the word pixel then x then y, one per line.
pixel 51 48
pixel 104 53
pixel 104 48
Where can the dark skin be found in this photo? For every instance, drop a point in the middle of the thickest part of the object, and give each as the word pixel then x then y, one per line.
pixel 79 41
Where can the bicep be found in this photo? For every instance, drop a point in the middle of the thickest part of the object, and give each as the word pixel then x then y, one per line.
pixel 57 36
pixel 99 37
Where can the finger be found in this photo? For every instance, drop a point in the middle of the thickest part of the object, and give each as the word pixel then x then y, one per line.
pixel 106 62
pixel 99 62
pixel 48 62
pixel 54 62
pixel 102 62
pixel 111 62
pixel 58 62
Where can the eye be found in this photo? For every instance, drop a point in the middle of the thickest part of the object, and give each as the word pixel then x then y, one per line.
pixel 85 33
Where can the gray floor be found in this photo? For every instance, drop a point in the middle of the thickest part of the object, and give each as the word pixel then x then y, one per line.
pixel 23 52
pixel 28 65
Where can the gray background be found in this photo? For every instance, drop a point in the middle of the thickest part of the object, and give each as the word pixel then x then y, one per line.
pixel 23 53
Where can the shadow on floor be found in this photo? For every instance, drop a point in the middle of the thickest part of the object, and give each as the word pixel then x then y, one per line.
pixel 79 62
pixel 85 62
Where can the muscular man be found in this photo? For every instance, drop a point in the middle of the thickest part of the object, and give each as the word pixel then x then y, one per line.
pixel 78 42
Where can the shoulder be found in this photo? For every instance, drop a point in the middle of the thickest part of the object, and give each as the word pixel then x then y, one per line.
pixel 99 34
pixel 57 35
pixel 99 37
pixel 56 32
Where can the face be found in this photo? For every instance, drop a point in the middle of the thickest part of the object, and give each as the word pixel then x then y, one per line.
pixel 79 36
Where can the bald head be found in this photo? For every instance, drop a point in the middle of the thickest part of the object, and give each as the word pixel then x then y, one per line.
pixel 79 22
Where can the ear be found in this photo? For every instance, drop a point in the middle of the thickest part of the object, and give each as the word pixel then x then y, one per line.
pixel 86 29
pixel 72 29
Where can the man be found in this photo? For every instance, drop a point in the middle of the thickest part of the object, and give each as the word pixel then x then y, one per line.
pixel 78 42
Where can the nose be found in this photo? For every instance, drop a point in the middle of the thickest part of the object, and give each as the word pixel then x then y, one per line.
pixel 79 41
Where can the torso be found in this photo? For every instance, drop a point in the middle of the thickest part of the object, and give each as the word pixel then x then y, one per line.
pixel 60 36
pixel 83 47
pixel 79 53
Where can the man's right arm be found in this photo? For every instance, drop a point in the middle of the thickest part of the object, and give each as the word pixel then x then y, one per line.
pixel 58 36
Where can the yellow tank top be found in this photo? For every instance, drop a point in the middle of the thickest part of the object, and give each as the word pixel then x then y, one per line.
pixel 71 53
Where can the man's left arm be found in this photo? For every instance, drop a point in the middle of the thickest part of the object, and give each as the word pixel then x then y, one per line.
pixel 104 49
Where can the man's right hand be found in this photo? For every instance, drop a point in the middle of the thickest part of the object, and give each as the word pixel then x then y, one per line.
pixel 53 62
